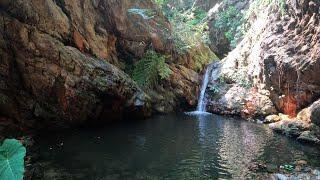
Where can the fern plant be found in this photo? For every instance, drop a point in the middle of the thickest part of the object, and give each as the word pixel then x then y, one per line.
pixel 12 155
pixel 149 69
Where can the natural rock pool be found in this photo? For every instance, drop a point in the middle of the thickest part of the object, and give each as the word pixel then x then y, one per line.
pixel 170 147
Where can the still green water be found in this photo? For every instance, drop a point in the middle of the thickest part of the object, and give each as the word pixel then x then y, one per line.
pixel 172 147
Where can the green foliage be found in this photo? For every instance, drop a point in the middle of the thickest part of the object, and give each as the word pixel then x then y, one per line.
pixel 241 78
pixel 288 167
pixel 189 30
pixel 222 80
pixel 189 27
pixel 257 4
pixel 232 22
pixel 204 57
pixel 149 69
pixel 215 88
pixel 161 3
pixel 12 155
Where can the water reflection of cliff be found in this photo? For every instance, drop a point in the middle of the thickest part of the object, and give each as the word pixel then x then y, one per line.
pixel 171 147
pixel 237 144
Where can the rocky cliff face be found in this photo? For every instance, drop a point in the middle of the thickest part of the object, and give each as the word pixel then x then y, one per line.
pixel 62 62
pixel 280 53
pixel 291 57
pixel 276 63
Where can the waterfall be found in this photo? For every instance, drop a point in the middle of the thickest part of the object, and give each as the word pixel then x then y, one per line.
pixel 202 102
pixel 210 74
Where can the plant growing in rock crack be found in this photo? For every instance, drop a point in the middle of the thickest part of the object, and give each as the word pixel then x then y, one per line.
pixel 189 24
pixel 150 69
pixel 256 6
pixel 240 77
pixel 232 22
pixel 12 155
pixel 215 88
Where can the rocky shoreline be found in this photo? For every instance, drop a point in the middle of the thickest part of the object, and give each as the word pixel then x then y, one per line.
pixel 299 170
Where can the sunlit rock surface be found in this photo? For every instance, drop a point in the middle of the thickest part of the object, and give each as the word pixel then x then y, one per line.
pixel 279 55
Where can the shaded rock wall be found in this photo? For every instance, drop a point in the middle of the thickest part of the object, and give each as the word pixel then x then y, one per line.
pixel 46 83
pixel 61 62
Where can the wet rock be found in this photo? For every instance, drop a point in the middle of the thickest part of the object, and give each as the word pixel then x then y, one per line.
pixel 272 119
pixel 315 113
pixel 279 28
pixel 297 175
pixel 279 177
pixel 316 173
pixel 308 137
pixel 290 127
pixel 301 163
pixel 234 99
pixel 271 168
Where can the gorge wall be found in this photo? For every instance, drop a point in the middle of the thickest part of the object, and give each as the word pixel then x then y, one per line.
pixel 274 69
pixel 62 63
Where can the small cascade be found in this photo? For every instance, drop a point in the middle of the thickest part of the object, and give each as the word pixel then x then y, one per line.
pixel 209 75
pixel 202 102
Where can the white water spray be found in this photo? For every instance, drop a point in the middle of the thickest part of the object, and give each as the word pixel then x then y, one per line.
pixel 202 102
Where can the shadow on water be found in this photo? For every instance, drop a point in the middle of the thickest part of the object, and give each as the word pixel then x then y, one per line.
pixel 171 147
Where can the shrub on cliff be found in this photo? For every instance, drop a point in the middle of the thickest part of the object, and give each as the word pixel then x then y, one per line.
pixel 231 21
pixel 150 68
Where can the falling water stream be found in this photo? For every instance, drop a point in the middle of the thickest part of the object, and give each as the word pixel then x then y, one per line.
pixel 210 74
pixel 202 103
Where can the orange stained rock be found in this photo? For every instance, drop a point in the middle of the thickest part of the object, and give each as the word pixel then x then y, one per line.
pixel 289 105
pixel 78 40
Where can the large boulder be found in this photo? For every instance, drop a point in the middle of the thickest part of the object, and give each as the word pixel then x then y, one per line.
pixel 311 114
